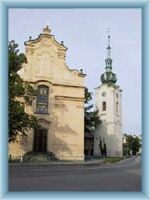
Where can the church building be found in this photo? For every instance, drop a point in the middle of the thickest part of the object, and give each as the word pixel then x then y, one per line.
pixel 59 105
pixel 108 135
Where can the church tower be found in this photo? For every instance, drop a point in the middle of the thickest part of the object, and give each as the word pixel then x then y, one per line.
pixel 108 136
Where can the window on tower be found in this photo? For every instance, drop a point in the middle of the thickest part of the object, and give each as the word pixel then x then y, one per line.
pixel 104 106
pixel 42 99
pixel 117 107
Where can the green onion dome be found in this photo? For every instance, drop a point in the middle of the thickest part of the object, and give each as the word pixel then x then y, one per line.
pixel 108 77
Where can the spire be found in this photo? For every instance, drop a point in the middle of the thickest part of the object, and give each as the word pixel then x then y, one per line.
pixel 108 48
pixel 108 59
pixel 108 40
pixel 108 76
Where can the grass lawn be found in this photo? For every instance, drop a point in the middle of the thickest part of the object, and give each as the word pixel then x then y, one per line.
pixel 113 159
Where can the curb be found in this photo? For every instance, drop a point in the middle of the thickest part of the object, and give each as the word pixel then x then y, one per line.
pixel 58 163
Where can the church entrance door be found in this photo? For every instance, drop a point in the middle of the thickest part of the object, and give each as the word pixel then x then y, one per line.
pixel 40 140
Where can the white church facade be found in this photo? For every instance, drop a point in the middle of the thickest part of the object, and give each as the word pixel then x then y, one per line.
pixel 108 135
pixel 59 106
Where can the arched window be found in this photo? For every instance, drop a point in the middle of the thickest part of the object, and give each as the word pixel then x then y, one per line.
pixel 42 99
pixel 104 106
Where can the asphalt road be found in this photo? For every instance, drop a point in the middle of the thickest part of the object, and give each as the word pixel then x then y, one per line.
pixel 123 176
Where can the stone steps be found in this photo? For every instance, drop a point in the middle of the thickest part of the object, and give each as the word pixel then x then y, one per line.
pixel 39 157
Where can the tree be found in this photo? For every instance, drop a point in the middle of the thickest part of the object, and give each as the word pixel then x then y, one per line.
pixel 91 119
pixel 20 94
pixel 133 144
pixel 136 145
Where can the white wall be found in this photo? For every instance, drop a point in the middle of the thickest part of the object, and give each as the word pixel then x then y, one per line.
pixel 111 127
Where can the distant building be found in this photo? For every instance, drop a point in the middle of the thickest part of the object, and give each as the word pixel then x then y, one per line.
pixel 108 103
pixel 59 106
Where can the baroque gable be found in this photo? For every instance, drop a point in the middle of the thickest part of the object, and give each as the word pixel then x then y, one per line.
pixel 46 60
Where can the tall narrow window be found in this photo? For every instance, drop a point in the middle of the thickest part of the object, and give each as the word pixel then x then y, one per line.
pixel 117 107
pixel 42 99
pixel 104 106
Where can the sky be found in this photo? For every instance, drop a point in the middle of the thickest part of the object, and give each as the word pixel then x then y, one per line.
pixel 84 32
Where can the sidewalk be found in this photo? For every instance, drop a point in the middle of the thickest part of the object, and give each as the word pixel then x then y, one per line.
pixel 62 163
pixel 101 162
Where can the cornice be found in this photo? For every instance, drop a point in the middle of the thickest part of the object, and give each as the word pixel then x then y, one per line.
pixel 30 42
pixel 68 98
pixel 56 84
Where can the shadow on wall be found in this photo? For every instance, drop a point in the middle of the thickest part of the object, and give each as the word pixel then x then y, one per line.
pixel 116 146
pixel 100 135
pixel 61 132
pixel 64 139
pixel 113 143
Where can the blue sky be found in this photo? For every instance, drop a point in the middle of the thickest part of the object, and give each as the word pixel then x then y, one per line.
pixel 84 32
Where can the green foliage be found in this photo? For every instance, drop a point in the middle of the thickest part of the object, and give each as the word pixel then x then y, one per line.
pixel 113 159
pixel 20 93
pixel 91 119
pixel 133 144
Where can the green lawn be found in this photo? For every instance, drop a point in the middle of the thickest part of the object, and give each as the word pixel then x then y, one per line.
pixel 113 159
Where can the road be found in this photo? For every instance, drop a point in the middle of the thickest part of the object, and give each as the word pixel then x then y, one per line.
pixel 123 176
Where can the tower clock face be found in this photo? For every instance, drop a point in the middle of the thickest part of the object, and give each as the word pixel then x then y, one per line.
pixel 103 94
